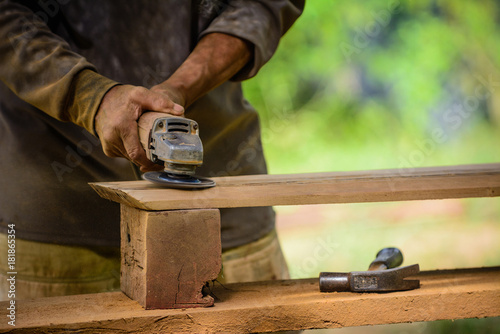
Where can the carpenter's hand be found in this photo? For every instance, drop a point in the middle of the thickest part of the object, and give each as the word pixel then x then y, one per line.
pixel 173 92
pixel 116 121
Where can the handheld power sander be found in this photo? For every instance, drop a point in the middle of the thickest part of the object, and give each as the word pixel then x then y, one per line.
pixel 173 142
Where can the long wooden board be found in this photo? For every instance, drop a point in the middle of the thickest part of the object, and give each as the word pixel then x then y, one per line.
pixel 268 306
pixel 314 188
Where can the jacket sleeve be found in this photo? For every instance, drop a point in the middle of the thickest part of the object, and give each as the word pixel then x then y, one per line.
pixel 260 22
pixel 39 67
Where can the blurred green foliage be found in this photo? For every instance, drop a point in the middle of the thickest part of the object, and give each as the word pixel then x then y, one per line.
pixel 385 84
pixel 382 84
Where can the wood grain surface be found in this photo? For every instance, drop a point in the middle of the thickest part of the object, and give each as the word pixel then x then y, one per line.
pixel 168 256
pixel 268 306
pixel 314 188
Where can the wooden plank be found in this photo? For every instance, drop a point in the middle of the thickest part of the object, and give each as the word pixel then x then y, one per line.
pixel 269 306
pixel 167 256
pixel 314 188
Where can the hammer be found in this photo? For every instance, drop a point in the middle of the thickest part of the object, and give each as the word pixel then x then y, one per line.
pixel 382 276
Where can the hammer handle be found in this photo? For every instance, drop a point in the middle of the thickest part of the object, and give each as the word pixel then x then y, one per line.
pixel 387 258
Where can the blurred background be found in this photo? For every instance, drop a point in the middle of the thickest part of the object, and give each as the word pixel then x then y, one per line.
pixel 359 85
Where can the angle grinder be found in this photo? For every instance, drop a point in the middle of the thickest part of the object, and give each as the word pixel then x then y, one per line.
pixel 173 142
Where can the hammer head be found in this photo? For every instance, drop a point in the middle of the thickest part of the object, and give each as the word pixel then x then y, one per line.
pixel 370 281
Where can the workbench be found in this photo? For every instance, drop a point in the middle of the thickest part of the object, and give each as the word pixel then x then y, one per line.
pixel 150 213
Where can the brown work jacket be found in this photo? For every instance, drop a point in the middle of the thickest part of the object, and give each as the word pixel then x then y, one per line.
pixel 57 61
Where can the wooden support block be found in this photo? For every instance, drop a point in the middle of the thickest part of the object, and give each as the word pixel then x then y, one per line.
pixel 314 188
pixel 168 256
pixel 268 307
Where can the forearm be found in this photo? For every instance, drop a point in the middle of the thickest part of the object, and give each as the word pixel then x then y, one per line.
pixel 39 67
pixel 261 23
pixel 215 59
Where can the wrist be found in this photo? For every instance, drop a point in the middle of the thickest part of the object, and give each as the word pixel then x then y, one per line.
pixel 216 59
pixel 175 92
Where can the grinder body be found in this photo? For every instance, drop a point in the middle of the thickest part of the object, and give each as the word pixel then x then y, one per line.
pixel 173 142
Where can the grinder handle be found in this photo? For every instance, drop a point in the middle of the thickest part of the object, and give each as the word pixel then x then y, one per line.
pixel 387 258
pixel 145 124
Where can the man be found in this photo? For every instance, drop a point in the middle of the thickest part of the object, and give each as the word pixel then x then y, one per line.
pixel 72 70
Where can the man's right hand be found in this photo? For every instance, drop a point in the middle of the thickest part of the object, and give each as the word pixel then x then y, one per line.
pixel 116 121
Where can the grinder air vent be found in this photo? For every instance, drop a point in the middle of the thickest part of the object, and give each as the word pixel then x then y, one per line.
pixel 178 127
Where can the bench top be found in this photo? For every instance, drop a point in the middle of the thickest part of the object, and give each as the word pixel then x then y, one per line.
pixel 461 181
pixel 269 306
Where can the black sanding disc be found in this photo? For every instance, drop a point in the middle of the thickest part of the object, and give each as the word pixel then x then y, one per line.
pixel 178 181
